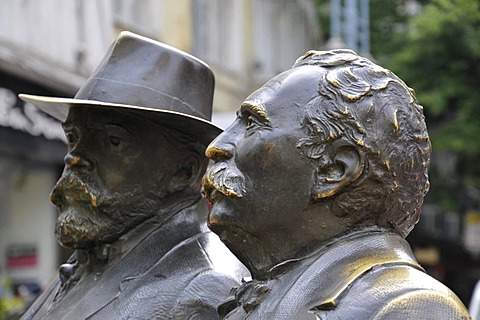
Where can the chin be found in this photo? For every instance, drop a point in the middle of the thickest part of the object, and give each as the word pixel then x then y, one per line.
pixel 220 214
pixel 214 222
pixel 79 230
pixel 224 220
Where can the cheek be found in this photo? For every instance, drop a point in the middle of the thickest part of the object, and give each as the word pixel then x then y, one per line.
pixel 227 212
pixel 119 173
pixel 268 159
pixel 276 173
pixel 255 155
pixel 223 210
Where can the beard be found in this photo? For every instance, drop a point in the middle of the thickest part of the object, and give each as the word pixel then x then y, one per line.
pixel 90 216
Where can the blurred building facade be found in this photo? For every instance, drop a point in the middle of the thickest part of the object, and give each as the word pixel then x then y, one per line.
pixel 50 47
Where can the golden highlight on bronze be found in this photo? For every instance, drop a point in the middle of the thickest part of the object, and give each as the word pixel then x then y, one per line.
pixel 75 160
pixel 225 179
pixel 395 121
pixel 422 137
pixel 256 108
pixel 93 200
pixel 87 191
pixel 395 187
pixel 387 165
pixel 333 81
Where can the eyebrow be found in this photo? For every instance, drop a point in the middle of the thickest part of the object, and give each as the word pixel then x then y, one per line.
pixel 67 125
pixel 118 128
pixel 257 109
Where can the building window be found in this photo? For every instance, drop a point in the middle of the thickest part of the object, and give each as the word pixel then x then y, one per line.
pixel 284 30
pixel 139 16
pixel 218 33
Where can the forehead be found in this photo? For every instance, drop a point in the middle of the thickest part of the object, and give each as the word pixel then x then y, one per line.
pixel 289 91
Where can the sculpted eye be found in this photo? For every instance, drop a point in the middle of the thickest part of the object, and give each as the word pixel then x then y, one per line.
pixel 71 133
pixel 250 122
pixel 117 137
pixel 115 141
pixel 253 124
pixel 71 138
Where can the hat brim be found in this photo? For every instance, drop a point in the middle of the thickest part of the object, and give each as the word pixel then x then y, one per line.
pixel 200 129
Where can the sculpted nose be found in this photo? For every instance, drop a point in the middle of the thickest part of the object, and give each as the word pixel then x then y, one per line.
pixel 220 148
pixel 75 161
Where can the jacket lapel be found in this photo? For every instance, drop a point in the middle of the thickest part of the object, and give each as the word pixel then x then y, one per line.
pixel 94 291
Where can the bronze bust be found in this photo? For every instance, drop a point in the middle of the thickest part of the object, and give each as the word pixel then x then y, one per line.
pixel 314 188
pixel 129 198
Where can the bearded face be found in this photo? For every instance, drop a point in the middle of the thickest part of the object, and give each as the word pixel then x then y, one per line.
pixel 117 171
pixel 89 215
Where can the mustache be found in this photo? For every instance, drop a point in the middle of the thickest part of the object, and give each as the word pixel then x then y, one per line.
pixel 82 189
pixel 226 179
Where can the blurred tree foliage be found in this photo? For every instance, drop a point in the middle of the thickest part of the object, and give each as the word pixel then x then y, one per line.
pixel 439 55
pixel 437 52
pixel 434 46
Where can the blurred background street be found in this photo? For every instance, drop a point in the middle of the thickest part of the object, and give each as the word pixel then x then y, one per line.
pixel 50 47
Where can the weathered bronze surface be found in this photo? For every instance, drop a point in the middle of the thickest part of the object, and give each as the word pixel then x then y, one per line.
pixel 129 197
pixel 314 188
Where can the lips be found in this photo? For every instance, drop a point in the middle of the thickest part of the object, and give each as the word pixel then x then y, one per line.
pixel 213 196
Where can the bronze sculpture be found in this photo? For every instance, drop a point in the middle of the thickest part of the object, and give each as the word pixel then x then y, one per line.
pixel 129 197
pixel 315 186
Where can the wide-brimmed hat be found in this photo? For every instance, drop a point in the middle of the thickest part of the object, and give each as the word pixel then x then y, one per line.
pixel 138 74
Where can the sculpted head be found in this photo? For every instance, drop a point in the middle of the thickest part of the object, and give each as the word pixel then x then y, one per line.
pixel 121 169
pixel 331 145
pixel 136 131
pixel 371 110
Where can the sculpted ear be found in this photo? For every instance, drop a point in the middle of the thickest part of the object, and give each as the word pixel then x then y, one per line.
pixel 345 168
pixel 187 173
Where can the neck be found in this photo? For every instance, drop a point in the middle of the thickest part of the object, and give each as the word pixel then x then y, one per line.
pixel 168 213
pixel 248 249
pixel 272 250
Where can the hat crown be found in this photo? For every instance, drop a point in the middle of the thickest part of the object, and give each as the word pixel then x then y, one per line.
pixel 142 72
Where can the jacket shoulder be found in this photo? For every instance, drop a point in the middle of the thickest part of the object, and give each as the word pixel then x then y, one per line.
pixel 212 286
pixel 400 292
pixel 423 304
pixel 190 281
